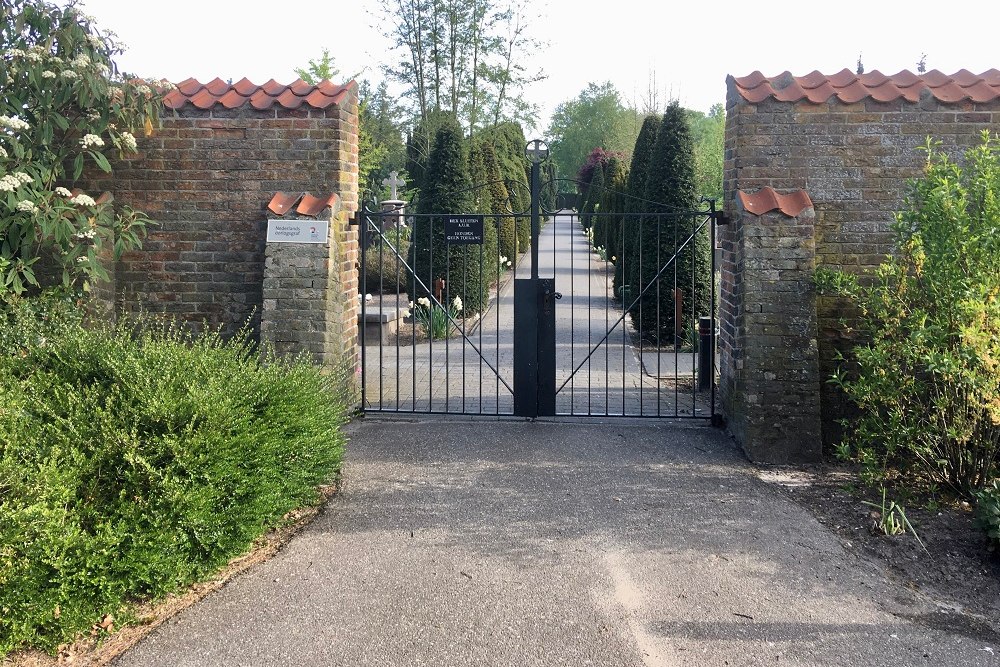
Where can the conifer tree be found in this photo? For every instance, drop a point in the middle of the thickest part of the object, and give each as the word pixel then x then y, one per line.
pixel 592 199
pixel 670 195
pixel 608 227
pixel 627 266
pixel 509 143
pixel 499 203
pixel 446 189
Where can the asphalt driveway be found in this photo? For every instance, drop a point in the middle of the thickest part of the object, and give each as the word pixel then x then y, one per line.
pixel 546 543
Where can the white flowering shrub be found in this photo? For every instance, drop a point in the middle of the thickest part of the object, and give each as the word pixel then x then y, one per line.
pixel 64 108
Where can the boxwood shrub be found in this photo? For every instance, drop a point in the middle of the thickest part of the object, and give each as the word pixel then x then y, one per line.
pixel 136 459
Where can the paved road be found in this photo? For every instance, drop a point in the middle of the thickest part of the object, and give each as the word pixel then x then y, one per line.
pixel 597 367
pixel 523 544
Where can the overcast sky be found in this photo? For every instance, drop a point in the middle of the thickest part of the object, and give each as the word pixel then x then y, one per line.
pixel 690 46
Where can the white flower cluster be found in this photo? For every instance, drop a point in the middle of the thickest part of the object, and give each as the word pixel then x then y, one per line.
pixel 83 200
pixel 144 90
pixel 33 56
pixel 504 262
pixel 95 41
pixel 12 182
pixel 82 61
pixel 13 123
pixel 3 152
pixel 90 140
pixel 27 206
pixel 128 140
pixel 16 53
pixel 68 74
pixel 63 192
pixel 48 74
pixel 89 234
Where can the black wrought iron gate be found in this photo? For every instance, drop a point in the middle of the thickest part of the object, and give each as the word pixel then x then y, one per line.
pixel 610 313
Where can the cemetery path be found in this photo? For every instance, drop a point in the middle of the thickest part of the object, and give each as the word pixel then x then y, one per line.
pixel 554 543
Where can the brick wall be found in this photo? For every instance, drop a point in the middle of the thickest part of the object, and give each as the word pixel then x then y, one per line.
pixel 853 159
pixel 206 176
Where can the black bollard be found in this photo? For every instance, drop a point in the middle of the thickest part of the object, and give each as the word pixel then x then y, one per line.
pixel 705 344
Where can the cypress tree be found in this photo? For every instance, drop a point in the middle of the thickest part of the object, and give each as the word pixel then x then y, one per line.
pixel 475 267
pixel 419 143
pixel 670 195
pixel 446 190
pixel 499 203
pixel 627 267
pixel 608 228
pixel 591 201
pixel 509 143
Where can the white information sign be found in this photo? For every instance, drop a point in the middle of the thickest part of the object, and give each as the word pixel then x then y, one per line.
pixel 297 231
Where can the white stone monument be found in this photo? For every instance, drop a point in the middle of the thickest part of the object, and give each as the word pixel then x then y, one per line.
pixel 393 208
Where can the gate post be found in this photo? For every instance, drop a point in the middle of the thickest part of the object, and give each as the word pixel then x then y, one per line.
pixel 534 317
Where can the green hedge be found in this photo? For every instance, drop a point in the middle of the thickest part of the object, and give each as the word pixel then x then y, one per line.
pixel 135 460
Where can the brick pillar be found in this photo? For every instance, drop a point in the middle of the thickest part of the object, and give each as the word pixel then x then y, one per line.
pixel 769 363
pixel 310 297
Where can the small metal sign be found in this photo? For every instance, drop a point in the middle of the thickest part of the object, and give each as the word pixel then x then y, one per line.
pixel 464 229
pixel 297 231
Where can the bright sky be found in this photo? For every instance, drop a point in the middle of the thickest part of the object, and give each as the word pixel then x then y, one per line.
pixel 690 46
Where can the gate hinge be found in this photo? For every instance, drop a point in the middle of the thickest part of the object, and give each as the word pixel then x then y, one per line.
pixel 721 218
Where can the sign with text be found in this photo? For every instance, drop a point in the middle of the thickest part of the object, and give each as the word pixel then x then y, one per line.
pixel 464 229
pixel 297 231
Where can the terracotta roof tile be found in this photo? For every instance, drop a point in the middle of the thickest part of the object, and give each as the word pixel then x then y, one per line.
pixel 309 205
pixel 235 95
pixel 313 206
pixel 281 202
pixel 849 87
pixel 245 87
pixel 767 199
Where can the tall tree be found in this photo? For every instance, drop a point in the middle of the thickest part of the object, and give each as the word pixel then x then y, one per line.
pixel 670 196
pixel 465 57
pixel 608 227
pixel 597 117
pixel 448 190
pixel 627 266
pixel 708 133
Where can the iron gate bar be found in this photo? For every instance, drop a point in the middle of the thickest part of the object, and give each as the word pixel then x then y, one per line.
pixel 381 236
pixel 637 301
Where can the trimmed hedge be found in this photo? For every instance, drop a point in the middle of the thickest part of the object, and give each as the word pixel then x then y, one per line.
pixel 138 459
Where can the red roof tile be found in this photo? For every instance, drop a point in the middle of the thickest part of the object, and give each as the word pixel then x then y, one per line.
pixel 767 199
pixel 849 87
pixel 282 202
pixel 235 95
pixel 313 206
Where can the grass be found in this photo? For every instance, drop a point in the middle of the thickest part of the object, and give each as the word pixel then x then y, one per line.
pixel 137 459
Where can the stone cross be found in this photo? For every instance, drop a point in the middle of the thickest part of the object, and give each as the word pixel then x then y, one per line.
pixel 394 181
